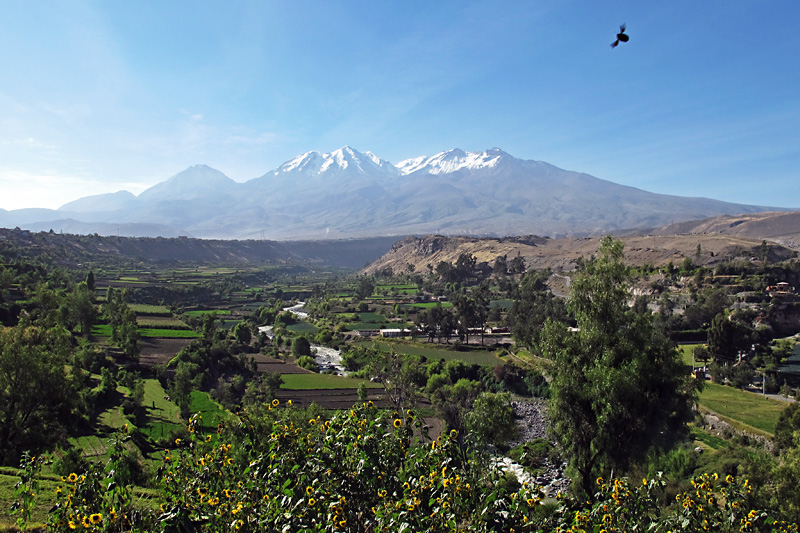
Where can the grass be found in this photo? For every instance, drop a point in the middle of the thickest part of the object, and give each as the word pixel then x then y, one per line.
pixel 502 304
pixel 744 410
pixel 45 499
pixel 371 317
pixel 477 356
pixel 151 310
pixel 201 312
pixel 163 416
pixel 323 381
pixel 211 412
pixel 168 333
pixel 150 321
pixel 428 305
pixel 302 327
pixel 686 355
pixel 709 440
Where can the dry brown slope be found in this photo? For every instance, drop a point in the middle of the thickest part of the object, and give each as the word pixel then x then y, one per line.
pixel 780 227
pixel 563 254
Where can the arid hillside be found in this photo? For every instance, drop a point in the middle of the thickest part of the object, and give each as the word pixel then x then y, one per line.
pixel 68 249
pixel 782 228
pixel 563 254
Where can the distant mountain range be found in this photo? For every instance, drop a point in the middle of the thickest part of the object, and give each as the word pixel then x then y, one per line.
pixel 347 193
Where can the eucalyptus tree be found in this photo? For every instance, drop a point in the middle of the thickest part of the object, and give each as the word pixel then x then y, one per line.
pixel 618 387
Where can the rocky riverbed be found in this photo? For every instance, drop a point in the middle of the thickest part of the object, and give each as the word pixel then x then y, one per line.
pixel 532 424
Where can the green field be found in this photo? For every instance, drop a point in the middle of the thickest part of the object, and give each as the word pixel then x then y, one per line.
pixel 428 305
pixel 745 408
pixel 501 304
pixel 478 357
pixel 323 381
pixel 150 310
pixel 160 322
pixel 686 354
pixel 201 312
pixel 211 412
pixel 302 327
pixel 168 333
pixel 163 416
pixel 371 317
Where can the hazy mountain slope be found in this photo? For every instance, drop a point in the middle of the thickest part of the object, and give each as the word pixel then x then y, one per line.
pixel 347 193
pixel 779 227
pixel 83 249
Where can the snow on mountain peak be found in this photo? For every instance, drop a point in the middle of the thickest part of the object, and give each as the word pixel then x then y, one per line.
pixel 344 159
pixel 451 161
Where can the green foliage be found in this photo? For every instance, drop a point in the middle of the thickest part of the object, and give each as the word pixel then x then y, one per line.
pixel 788 424
pixel 365 469
pixel 727 337
pixel 301 347
pixel 618 387
pixel 25 491
pixel 533 305
pixel 759 413
pixel 491 420
pixel 37 396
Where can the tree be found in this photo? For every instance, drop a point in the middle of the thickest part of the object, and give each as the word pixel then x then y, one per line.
pixel 618 388
pixel 788 424
pixel 37 398
pixel 366 286
pixel 500 267
pixel 517 265
pixel 491 420
pixel 242 333
pixel 300 347
pixel 532 306
pixel 727 337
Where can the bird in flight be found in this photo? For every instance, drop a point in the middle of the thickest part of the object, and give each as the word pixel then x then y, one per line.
pixel 622 37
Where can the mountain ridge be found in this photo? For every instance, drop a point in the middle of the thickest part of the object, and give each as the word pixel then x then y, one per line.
pixel 347 193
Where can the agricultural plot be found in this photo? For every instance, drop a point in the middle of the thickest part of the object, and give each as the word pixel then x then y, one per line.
pixel 745 409
pixel 686 351
pixel 157 351
pixel 329 398
pixel 478 357
pixel 428 305
pixel 265 363
pixel 168 322
pixel 163 416
pixel 150 310
pixel 168 333
pixel 309 381
pixel 504 304
pixel 212 414
pixel 201 312
pixel 302 327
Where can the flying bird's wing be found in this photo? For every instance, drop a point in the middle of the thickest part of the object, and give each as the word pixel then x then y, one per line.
pixel 615 43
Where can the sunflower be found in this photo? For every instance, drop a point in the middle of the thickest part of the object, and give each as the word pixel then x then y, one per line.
pixel 96 518
pixel 275 402
pixel 397 422
pixel 72 478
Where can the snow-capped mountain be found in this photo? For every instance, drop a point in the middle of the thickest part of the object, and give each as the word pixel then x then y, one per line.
pixel 343 160
pixel 347 193
pixel 452 161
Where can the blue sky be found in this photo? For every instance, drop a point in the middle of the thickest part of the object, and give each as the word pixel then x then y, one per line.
pixel 704 100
